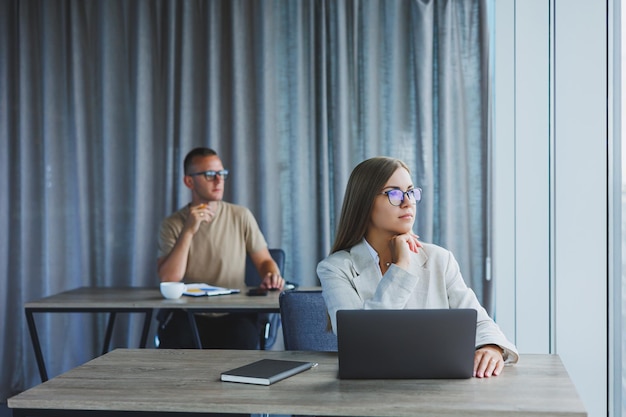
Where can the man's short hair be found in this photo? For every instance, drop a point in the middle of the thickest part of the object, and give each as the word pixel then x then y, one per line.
pixel 196 153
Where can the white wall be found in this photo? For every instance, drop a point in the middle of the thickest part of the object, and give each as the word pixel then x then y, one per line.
pixel 550 184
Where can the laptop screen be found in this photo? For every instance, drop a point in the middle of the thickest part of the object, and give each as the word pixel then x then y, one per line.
pixel 411 344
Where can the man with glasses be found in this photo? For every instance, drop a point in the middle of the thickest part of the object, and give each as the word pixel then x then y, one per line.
pixel 207 241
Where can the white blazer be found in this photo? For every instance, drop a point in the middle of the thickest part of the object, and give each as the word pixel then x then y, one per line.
pixel 351 280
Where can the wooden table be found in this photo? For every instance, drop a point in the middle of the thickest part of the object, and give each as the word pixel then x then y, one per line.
pixel 136 300
pixel 156 382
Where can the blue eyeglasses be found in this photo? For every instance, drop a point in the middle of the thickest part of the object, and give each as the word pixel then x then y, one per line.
pixel 396 197
pixel 210 175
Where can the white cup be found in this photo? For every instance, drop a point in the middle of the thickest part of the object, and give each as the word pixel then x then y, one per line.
pixel 172 290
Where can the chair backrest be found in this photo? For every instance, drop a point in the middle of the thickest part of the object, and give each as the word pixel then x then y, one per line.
pixel 252 275
pixel 305 322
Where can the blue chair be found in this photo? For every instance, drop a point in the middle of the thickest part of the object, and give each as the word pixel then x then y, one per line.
pixel 305 322
pixel 269 322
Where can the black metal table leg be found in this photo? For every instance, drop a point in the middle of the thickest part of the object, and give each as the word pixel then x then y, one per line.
pixel 36 345
pixel 146 329
pixel 194 329
pixel 109 332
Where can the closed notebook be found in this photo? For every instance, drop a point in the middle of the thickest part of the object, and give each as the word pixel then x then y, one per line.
pixel 266 371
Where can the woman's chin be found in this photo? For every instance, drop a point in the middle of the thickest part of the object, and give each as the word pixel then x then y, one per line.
pixel 403 230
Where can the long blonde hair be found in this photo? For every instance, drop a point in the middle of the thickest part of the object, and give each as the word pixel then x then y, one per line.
pixel 366 180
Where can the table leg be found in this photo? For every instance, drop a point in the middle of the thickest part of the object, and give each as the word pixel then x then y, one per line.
pixel 36 345
pixel 109 332
pixel 263 337
pixel 146 329
pixel 194 329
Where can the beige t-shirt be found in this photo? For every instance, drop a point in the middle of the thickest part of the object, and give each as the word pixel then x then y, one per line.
pixel 218 250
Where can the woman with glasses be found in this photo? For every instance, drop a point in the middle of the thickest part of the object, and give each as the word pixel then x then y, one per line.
pixel 377 261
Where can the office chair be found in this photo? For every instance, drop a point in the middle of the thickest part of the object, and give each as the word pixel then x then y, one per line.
pixel 305 322
pixel 270 322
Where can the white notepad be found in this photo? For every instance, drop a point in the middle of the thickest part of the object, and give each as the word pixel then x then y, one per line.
pixel 200 289
pixel 266 371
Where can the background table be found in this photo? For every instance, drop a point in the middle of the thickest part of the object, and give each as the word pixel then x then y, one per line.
pixel 136 300
pixel 151 382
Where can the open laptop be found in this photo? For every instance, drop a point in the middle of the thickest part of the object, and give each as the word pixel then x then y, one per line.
pixel 411 344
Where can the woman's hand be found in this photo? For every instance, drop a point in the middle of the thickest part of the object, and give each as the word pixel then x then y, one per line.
pixel 488 361
pixel 401 246
pixel 414 243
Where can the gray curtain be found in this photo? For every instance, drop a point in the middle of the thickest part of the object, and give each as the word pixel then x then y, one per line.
pixel 101 99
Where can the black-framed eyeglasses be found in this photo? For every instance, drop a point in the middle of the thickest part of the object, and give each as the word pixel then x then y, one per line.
pixel 210 175
pixel 396 196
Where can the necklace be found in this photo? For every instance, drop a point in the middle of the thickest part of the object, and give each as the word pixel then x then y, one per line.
pixel 387 263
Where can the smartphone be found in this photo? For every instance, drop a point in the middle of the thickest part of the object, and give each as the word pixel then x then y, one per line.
pixel 257 291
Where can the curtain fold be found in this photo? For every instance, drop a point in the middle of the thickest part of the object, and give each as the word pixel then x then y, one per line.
pixel 100 100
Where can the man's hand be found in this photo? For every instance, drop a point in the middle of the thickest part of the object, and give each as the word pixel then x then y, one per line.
pixel 198 214
pixel 272 281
